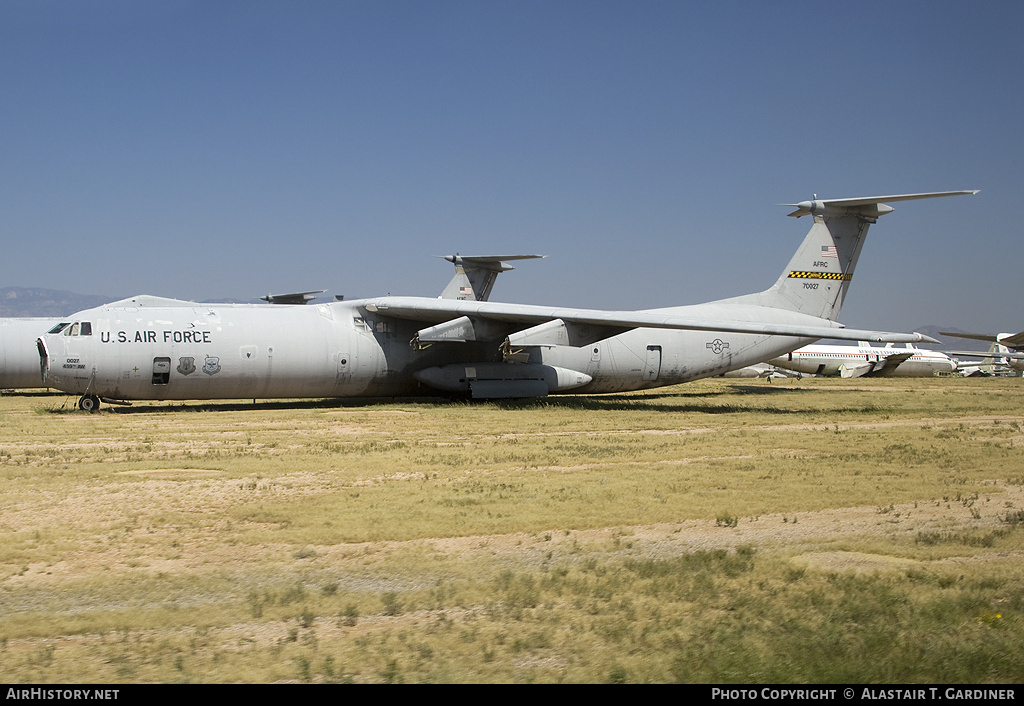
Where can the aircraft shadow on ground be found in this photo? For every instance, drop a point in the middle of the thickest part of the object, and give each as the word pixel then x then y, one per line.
pixel 32 393
pixel 673 401
pixel 695 402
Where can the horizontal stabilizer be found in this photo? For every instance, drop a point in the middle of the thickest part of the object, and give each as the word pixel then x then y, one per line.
pixel 295 298
pixel 872 206
pixel 855 371
pixel 489 261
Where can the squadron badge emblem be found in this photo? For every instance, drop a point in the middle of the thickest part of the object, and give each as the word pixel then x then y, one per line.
pixel 186 366
pixel 212 365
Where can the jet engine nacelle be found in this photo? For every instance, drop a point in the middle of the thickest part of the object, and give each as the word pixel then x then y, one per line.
pixel 501 380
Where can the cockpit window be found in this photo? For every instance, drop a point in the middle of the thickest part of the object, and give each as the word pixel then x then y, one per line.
pixel 79 328
pixel 59 327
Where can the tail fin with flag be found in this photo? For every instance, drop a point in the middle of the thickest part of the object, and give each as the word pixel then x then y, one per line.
pixel 816 279
pixel 474 276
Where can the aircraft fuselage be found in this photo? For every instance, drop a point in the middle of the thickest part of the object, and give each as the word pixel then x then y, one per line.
pixel 850 361
pixel 342 349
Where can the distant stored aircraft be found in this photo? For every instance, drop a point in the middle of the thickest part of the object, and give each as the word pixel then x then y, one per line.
pixel 760 370
pixel 1006 349
pixel 865 360
pixel 19 356
pixel 152 348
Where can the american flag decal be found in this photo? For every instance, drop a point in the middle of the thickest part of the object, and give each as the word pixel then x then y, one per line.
pixel 465 290
pixel 829 251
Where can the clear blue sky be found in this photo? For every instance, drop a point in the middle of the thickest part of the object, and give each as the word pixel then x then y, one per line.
pixel 209 150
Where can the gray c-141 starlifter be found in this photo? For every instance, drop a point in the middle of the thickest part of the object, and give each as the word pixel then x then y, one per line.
pixel 147 348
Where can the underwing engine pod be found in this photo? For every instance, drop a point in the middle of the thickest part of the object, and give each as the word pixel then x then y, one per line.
pixel 501 380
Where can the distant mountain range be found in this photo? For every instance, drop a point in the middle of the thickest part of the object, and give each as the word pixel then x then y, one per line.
pixel 36 301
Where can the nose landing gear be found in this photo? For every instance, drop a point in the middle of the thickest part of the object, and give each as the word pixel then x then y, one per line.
pixel 89 403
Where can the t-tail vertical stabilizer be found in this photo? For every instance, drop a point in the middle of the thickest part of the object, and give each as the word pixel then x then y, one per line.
pixel 474 276
pixel 816 279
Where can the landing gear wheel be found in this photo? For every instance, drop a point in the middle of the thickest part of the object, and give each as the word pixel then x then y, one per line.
pixel 89 403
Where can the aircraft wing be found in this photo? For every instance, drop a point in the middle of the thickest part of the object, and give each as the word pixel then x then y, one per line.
pixel 888 364
pixel 896 359
pixel 1013 341
pixel 454 318
pixel 975 336
pixel 987 354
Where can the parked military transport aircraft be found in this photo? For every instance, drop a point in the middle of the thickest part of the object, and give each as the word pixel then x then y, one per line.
pixel 865 360
pixel 152 348
pixel 19 354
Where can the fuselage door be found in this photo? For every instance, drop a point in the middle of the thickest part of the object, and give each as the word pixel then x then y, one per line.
pixel 652 369
pixel 161 371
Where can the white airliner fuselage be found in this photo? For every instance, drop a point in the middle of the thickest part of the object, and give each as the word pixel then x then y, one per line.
pixel 858 361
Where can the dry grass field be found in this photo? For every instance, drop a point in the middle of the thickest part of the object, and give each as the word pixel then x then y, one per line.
pixel 721 531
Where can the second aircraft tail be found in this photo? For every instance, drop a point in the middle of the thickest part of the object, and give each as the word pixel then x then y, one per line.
pixel 474 276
